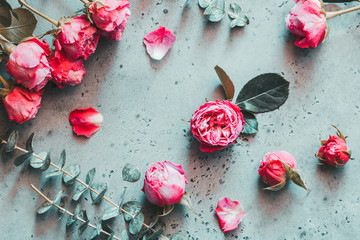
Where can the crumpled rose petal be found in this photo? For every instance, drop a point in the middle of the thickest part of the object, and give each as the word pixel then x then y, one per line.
pixel 85 121
pixel 159 42
pixel 229 213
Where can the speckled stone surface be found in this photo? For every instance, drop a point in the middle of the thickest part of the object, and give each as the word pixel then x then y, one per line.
pixel 143 102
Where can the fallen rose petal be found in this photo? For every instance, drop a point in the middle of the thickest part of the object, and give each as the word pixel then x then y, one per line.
pixel 85 121
pixel 229 213
pixel 159 42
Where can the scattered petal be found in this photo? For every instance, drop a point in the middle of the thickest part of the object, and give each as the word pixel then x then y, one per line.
pixel 229 213
pixel 159 42
pixel 85 121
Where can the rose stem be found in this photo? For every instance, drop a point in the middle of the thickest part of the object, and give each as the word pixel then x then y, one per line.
pixel 67 212
pixel 4 82
pixel 231 14
pixel 85 1
pixel 82 183
pixel 334 14
pixel 22 2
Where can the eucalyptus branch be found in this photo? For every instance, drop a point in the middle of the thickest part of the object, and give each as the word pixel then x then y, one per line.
pixel 22 2
pixel 69 213
pixel 16 147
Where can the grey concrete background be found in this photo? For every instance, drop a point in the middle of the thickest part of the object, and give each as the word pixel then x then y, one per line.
pixel 143 102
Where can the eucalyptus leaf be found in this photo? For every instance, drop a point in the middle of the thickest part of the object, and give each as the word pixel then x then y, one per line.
pixel 44 207
pixel 100 188
pixel 73 219
pixel 110 212
pixel 99 227
pixel 53 174
pixel 251 124
pixel 204 4
pixel 177 236
pixel 107 228
pixel 29 143
pixel 186 201
pixel 62 203
pixel 94 235
pixel 36 162
pixel 226 82
pixel 239 18
pixel 111 236
pixel 20 27
pixel 239 22
pixel 215 10
pixel 78 192
pixel 132 207
pixel 90 176
pixel 131 173
pixel 62 158
pixel 263 93
pixel 234 10
pixel 58 197
pixel 121 199
pixel 6 155
pixel 136 223
pixel 74 170
pixel 156 235
pixel 22 158
pixel 70 221
pixel 83 227
pixel 125 235
pixel 12 141
pixel 99 197
pixel 46 163
pixel 5 16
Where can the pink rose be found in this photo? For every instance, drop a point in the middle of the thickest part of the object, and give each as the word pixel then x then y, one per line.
pixel 85 121
pixel 77 37
pixel 307 20
pixel 230 213
pixel 28 64
pixel 21 104
pixel 216 125
pixel 111 17
pixel 164 183
pixel 66 71
pixel 334 152
pixel 271 169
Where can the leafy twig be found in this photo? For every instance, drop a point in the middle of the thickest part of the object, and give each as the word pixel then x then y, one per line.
pixel 82 183
pixel 68 212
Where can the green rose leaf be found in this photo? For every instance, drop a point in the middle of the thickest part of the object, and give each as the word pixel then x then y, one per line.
pixel 251 124
pixel 167 209
pixel 131 173
pixel 263 93
pixel 226 82
pixel 136 223
pixel 132 207
pixel 74 170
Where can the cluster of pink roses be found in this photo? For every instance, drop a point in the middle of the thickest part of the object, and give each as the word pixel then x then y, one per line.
pixel 32 63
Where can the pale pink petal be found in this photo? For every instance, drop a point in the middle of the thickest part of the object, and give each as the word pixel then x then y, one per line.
pixel 85 121
pixel 159 42
pixel 229 213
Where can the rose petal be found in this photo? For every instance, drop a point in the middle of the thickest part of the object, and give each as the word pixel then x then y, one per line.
pixel 159 42
pixel 229 213
pixel 85 121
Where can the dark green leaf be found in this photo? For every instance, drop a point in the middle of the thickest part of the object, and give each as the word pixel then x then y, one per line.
pixel 131 173
pixel 125 235
pixel 36 162
pixel 110 213
pixel 263 93
pixel 90 176
pixel 46 163
pixel 62 158
pixel 177 236
pixel 29 143
pixel 78 192
pixel 132 207
pixel 167 209
pixel 53 174
pixel 98 187
pixel 5 16
pixel 99 197
pixel 12 141
pixel 22 158
pixel 204 4
pixel 83 227
pixel 20 28
pixel 251 124
pixel 186 201
pixel 226 82
pixel 136 223
pixel 156 235
pixel 74 170
pixel 234 10
pixel 44 208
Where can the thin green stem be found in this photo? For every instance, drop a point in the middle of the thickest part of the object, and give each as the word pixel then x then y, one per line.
pixel 68 212
pixel 22 2
pixel 337 13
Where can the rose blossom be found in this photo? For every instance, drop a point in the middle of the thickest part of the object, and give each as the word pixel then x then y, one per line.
pixel 271 170
pixel 307 20
pixel 334 151
pixel 230 213
pixel 21 104
pixel 216 125
pixel 164 183
pixel 28 64
pixel 66 71
pixel 77 37
pixel 85 121
pixel 111 17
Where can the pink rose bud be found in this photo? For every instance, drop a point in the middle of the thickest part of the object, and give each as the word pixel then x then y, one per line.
pixel 164 183
pixel 334 151
pixel 307 20
pixel 230 213
pixel 85 121
pixel 21 104
pixel 111 17
pixel 277 167
pixel 77 37
pixel 28 64
pixel 66 71
pixel 216 125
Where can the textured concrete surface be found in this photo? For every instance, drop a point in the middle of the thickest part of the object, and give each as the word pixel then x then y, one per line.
pixel 143 102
